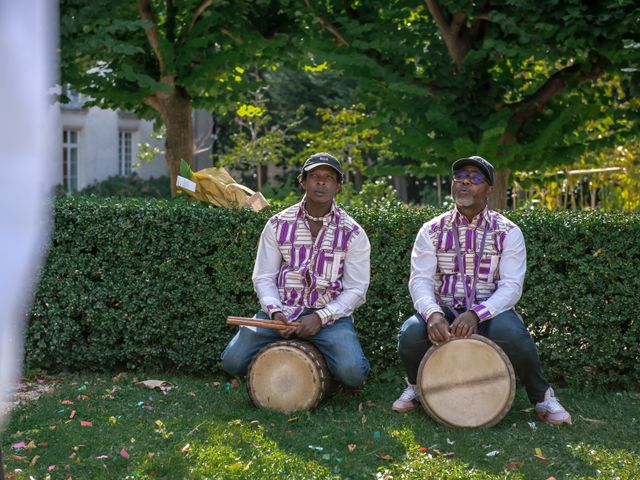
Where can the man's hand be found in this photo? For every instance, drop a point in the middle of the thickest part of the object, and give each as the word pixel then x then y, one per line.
pixel 309 325
pixel 438 328
pixel 280 317
pixel 465 324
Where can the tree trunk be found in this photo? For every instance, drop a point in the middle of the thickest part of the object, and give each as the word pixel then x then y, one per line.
pixel 498 199
pixel 175 110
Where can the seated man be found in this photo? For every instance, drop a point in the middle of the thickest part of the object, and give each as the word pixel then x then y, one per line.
pixel 312 270
pixel 467 271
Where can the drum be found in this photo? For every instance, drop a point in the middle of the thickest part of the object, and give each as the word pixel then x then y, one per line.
pixel 288 375
pixel 466 382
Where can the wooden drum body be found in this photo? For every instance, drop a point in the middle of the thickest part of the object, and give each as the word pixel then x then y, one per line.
pixel 466 382
pixel 288 375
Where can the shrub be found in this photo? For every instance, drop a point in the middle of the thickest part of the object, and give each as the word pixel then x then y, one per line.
pixel 130 186
pixel 149 283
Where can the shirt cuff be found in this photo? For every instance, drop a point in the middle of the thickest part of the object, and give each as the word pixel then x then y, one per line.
pixel 325 316
pixel 482 311
pixel 271 309
pixel 430 311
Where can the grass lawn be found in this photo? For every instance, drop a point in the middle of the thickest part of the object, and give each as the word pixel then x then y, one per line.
pixel 207 428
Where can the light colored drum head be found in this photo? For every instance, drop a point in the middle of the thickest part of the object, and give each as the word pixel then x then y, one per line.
pixel 287 376
pixel 466 382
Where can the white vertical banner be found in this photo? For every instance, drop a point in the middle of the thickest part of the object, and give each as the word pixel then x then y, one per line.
pixel 29 127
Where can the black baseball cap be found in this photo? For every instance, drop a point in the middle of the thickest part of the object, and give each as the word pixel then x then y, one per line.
pixel 322 158
pixel 485 167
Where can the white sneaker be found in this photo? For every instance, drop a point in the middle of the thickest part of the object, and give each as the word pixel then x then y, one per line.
pixel 407 401
pixel 551 411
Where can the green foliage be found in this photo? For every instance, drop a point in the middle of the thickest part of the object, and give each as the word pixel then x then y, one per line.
pixel 149 284
pixel 130 186
pixel 207 429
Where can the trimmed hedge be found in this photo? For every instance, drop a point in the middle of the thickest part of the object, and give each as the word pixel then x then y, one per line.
pixel 148 284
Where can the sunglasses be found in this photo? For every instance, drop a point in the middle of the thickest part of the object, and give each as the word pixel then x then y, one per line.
pixel 475 177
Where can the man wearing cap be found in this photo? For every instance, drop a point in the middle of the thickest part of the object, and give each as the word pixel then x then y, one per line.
pixel 467 271
pixel 312 272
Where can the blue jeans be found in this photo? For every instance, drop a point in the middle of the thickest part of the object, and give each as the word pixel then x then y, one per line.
pixel 505 329
pixel 338 343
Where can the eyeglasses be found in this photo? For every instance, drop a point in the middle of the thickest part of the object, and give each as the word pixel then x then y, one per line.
pixel 475 177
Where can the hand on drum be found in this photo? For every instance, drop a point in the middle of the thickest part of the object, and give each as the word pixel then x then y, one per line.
pixel 309 325
pixel 287 332
pixel 465 324
pixel 438 328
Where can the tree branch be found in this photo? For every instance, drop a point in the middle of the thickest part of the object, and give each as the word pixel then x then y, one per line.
pixel 199 11
pixel 555 84
pixel 327 25
pixel 144 7
pixel 451 33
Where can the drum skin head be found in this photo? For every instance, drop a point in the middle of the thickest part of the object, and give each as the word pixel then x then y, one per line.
pixel 287 376
pixel 466 382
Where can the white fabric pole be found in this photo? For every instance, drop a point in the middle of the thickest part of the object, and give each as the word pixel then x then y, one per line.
pixel 28 154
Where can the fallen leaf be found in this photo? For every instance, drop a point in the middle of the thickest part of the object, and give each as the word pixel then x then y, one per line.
pixel 370 404
pixel 513 465
pixel 150 455
pixel 163 385
pixel 113 420
pixel 360 407
pixel 31 445
pixel 124 453
pixel 593 420
pixel 293 419
pixel 34 460
pixel 384 456
pixel 540 457
pixel 423 449
pixel 66 402
pixel 351 447
pixel 52 427
pixel 186 448
pixel 43 444
pixel 449 454
pixel 16 458
pixel 235 383
pixel 216 384
pixel 363 420
pixel 538 451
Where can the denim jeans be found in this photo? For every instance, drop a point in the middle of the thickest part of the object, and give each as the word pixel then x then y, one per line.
pixel 337 342
pixel 506 329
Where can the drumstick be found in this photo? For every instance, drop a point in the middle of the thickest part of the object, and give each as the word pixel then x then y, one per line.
pixel 259 322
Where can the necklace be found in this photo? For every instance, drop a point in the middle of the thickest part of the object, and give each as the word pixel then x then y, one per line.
pixel 317 219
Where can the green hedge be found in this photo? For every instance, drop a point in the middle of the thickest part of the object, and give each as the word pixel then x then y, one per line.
pixel 148 284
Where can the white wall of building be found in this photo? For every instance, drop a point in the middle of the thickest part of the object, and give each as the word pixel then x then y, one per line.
pixel 97 140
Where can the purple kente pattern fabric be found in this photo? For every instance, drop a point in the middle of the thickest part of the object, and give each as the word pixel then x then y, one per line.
pixel 310 275
pixel 449 284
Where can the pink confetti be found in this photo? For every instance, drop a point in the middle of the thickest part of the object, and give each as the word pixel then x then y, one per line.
pixel 51 468
pixel 66 402
pixel 86 424
pixel 124 453
pixel 73 414
pixel 39 380
pixel 16 446
pixel 102 457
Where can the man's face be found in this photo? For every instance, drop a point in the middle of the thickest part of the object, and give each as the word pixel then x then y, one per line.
pixel 466 192
pixel 321 184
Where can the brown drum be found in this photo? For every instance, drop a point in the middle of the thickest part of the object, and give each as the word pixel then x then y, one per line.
pixel 466 382
pixel 288 375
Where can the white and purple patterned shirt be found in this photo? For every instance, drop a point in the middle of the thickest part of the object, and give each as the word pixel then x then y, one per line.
pixel 294 272
pixel 436 279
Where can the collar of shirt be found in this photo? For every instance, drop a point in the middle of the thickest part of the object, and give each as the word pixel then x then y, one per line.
pixel 326 219
pixel 476 221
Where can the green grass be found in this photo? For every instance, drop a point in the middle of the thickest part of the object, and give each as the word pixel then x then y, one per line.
pixel 206 428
